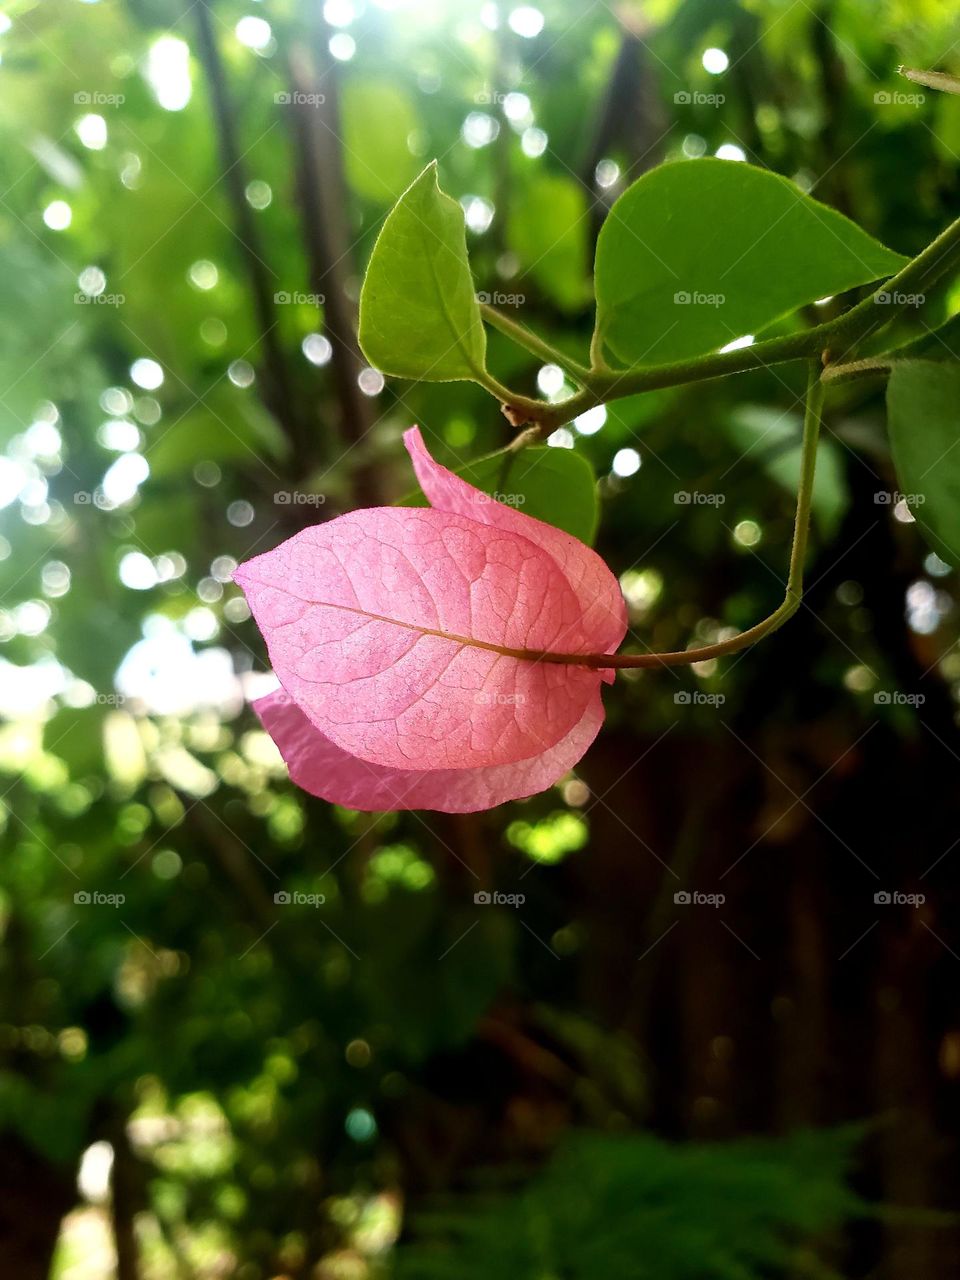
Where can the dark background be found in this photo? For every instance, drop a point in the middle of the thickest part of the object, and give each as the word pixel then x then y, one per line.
pixel 600 1081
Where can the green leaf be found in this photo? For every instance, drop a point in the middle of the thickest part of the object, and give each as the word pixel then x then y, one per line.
pixel 419 315
pixel 378 118
pixel 554 485
pixel 547 230
pixel 923 405
pixel 699 252
pixel 941 343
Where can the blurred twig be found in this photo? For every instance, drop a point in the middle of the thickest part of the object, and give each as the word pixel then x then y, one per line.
pixel 234 861
pixel 323 201
pixel 126 1188
pixel 630 113
pixel 280 396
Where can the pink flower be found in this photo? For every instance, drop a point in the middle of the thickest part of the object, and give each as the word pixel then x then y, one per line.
pixel 409 644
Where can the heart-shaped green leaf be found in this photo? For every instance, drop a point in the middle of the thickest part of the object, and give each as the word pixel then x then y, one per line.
pixel 419 315
pixel 697 253
pixel 923 406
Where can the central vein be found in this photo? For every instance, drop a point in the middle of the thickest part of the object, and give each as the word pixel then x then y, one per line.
pixel 523 655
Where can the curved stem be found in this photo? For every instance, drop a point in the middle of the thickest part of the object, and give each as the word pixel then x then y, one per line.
pixel 855 369
pixel 838 337
pixel 794 592
pixel 519 409
pixel 881 306
pixel 829 344
pixel 597 363
pixel 613 384
pixel 526 338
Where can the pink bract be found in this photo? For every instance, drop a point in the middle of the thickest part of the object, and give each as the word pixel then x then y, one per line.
pixel 387 628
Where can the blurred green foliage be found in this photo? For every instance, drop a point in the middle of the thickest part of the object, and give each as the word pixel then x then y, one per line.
pixel 635 1207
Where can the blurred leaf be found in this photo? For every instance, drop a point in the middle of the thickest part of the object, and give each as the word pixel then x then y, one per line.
pixel 655 1211
pixel 554 485
pixel 378 118
pixel 76 736
pixel 700 252
pixel 771 439
pixel 935 344
pixel 223 430
pixel 413 932
pixel 52 1123
pixel 419 316
pixel 51 330
pixel 548 230
pixel 923 402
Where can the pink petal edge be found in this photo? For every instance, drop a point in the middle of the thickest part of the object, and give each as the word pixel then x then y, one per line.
pixel 604 609
pixel 361 614
pixel 325 770
pixel 381 705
